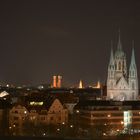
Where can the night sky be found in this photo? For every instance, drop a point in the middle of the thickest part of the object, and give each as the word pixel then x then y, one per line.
pixel 72 38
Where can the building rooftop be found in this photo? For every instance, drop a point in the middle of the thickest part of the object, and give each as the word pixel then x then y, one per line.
pixel 104 104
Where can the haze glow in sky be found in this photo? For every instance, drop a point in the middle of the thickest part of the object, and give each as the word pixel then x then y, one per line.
pixel 71 38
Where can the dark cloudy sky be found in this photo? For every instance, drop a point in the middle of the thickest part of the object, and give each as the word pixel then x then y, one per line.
pixel 68 37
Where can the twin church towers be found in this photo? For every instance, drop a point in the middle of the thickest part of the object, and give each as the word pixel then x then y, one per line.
pixel 122 82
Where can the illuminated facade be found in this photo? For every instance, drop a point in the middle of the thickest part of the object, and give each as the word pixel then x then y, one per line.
pixel 54 81
pixel 80 84
pixel 17 117
pixel 120 84
pixel 98 85
pixel 57 81
pixel 37 113
pixel 56 113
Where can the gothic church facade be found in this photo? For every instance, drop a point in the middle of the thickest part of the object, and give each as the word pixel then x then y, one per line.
pixel 122 84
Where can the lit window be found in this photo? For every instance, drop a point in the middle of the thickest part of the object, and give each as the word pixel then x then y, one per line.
pixel 108 115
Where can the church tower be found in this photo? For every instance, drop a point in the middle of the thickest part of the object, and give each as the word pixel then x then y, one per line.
pixel 120 62
pixel 120 85
pixel 111 70
pixel 80 84
pixel 133 78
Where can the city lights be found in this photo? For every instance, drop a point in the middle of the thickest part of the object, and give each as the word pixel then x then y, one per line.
pixel 108 115
pixel 122 122
pixel 71 126
pixel 3 94
pixel 25 112
pixel 70 70
pixel 36 103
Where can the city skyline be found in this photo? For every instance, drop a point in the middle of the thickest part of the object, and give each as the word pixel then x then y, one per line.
pixel 39 40
pixel 70 69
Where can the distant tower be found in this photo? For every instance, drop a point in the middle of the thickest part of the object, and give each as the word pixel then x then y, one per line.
pixel 80 84
pixel 59 83
pixel 54 81
pixel 98 84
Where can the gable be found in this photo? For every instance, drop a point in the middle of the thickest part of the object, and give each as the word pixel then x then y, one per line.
pixel 19 109
pixel 122 84
pixel 56 106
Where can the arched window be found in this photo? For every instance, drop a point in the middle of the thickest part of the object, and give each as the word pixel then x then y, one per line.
pixel 130 73
pixel 119 65
pixel 115 66
pixel 133 95
pixel 111 73
pixel 112 85
pixel 133 86
pixel 133 73
pixel 123 65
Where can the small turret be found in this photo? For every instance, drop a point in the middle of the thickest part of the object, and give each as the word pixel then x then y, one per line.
pixel 111 66
pixel 111 62
pixel 133 63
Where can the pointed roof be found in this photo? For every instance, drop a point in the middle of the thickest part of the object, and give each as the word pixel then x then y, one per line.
pixel 119 52
pixel 133 63
pixel 80 84
pixel 98 84
pixel 111 55
pixel 119 47
pixel 121 83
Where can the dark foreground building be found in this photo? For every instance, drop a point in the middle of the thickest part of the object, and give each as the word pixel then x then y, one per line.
pixel 111 117
pixel 4 115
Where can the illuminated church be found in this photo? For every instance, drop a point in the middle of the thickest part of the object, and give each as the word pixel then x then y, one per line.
pixel 122 85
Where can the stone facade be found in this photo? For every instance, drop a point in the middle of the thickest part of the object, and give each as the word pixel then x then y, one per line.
pixel 122 85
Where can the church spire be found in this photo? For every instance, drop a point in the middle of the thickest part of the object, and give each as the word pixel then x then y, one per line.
pixel 119 43
pixel 111 55
pixel 133 63
pixel 80 84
